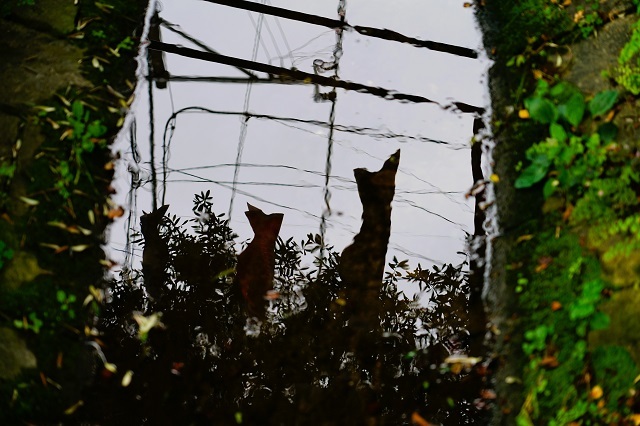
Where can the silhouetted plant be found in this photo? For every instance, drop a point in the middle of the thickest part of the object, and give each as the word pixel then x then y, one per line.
pixel 206 362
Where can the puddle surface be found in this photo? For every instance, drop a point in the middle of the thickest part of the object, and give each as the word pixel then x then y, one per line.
pixel 262 133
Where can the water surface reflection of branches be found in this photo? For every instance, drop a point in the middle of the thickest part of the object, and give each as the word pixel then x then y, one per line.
pixel 205 362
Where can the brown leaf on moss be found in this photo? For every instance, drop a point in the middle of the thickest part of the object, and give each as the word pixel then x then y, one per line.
pixel 543 263
pixel 549 361
pixel 567 212
pixel 556 306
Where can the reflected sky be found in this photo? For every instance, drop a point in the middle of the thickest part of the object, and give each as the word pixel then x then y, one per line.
pixel 285 150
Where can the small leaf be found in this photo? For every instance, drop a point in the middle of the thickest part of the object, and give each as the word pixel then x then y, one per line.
pixel 603 102
pixel 541 110
pixel 608 132
pixel 533 174
pixel 126 378
pixel 29 201
pixel 573 109
pixel 557 132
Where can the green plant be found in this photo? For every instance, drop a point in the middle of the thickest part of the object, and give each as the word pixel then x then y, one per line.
pixel 536 339
pixel 99 34
pixel 627 73
pixel 571 157
pixel 5 253
pixel 30 322
pixel 66 301
pixel 84 134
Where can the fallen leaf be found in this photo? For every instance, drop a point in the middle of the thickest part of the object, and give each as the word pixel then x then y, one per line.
pixel 543 263
pixel 467 361
pixel 596 392
pixel 69 411
pixel 66 134
pixel 418 420
pixel 549 362
pixel 523 114
pixel 494 178
pixel 126 378
pixel 522 238
pixel 537 74
pixel 578 16
pixel 635 418
pixel 467 4
pixel 29 201
pixel 556 306
pixel 114 213
pixel 54 125
pixel 64 100
pixel 80 247
pixel 610 116
pixel 567 212
pixel 488 394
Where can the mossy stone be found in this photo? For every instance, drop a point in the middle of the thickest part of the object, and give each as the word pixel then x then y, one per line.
pixel 14 354
pixel 623 308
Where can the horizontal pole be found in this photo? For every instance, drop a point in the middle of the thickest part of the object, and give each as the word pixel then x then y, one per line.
pixel 305 77
pixel 334 23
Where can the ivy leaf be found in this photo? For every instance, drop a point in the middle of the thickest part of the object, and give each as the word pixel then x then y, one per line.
pixel 542 110
pixel 557 132
pixel 573 109
pixel 603 102
pixel 534 173
pixel 608 132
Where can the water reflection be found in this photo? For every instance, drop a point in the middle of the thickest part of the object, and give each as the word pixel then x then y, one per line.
pixel 291 330
pixel 339 343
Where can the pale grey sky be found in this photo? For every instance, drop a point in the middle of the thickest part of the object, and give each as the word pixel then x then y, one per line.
pixel 432 177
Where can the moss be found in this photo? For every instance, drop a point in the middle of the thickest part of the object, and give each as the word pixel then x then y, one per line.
pixel 555 260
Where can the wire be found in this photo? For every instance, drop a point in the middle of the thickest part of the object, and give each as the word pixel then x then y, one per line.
pixel 243 125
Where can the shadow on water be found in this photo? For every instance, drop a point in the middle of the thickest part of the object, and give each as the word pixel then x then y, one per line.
pixel 202 336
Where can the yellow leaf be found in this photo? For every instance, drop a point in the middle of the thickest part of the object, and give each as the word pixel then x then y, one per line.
pixel 29 201
pixel 126 379
pixel 80 247
pixel 69 411
pixel 494 178
pixel 523 114
pixel 522 238
pixel 596 392
pixel 66 134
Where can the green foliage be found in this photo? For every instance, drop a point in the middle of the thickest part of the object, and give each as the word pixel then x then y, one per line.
pixel 30 322
pixel 536 339
pixel 627 74
pixel 66 301
pixel 602 102
pixel 5 253
pixel 615 371
pixel 86 134
pixel 574 158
